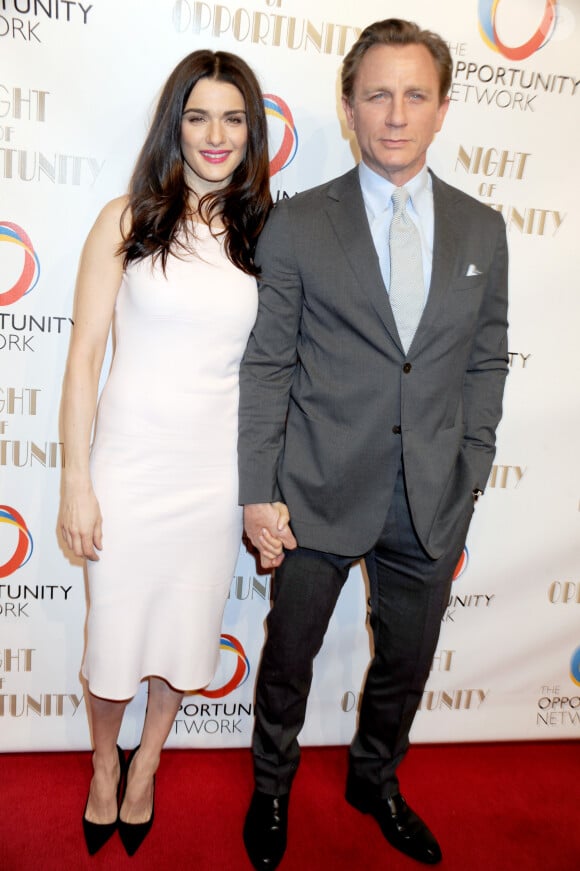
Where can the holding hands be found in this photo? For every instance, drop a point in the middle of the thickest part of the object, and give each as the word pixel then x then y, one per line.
pixel 267 527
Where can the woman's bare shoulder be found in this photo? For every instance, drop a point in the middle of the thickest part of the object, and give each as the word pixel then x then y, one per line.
pixel 115 210
pixel 114 219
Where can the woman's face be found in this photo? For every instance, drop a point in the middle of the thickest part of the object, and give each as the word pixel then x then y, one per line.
pixel 214 134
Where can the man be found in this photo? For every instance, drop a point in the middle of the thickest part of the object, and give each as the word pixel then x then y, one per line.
pixel 371 390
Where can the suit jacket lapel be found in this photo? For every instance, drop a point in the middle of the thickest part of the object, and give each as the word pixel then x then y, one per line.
pixel 346 211
pixel 445 247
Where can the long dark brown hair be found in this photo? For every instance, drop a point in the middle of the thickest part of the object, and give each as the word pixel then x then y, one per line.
pixel 158 193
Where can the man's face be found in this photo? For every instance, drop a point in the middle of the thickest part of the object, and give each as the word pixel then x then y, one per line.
pixel 395 110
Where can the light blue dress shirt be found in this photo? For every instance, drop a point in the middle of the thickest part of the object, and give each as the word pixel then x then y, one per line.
pixel 377 192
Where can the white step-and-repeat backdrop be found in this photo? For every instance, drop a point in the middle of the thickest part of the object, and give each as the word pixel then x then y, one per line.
pixel 77 86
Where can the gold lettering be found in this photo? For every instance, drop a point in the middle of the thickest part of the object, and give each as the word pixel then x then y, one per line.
pixel 277 37
pixel 506 159
pixel 217 20
pixel 34 705
pixel 530 221
pixel 260 28
pixel 489 165
pixel 445 700
pixel 19 401
pixel 491 161
pixel 44 705
pixel 237 24
pixel 314 36
pixel 21 659
pixel 470 163
pixel 26 453
pixel 343 34
pixel 258 35
pixel 517 218
pixel 75 701
pixel 38 454
pixel 197 20
pixel 291 39
pixel 455 700
pixel 442 660
pixel 500 474
pixel 329 38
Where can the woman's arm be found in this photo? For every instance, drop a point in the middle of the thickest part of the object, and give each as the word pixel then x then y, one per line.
pixel 98 283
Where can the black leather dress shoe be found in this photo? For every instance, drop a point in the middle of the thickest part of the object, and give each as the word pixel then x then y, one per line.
pixel 401 826
pixel 265 830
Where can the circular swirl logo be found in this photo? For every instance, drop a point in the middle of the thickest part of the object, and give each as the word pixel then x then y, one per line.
pixel 242 672
pixel 487 12
pixel 30 274
pixel 24 544
pixel 575 666
pixel 278 109
pixel 461 565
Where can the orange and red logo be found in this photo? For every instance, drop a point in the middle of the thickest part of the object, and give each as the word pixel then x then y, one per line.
pixel 487 11
pixel 575 666
pixel 461 565
pixel 30 267
pixel 276 108
pixel 24 545
pixel 242 671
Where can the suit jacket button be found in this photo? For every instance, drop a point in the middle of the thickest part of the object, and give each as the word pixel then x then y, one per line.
pixel 397 429
pixel 407 368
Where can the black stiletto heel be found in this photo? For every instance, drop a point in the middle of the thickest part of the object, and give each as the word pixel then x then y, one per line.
pixel 133 834
pixel 97 834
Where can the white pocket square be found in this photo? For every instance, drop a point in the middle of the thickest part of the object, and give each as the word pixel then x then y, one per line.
pixel 472 270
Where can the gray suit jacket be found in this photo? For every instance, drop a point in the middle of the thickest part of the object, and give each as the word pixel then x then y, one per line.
pixel 328 398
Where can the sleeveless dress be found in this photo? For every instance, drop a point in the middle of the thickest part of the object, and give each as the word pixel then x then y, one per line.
pixel 164 469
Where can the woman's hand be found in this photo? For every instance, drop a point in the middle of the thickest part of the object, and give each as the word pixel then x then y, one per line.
pixel 80 522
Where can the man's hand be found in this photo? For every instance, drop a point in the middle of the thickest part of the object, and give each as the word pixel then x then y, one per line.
pixel 267 527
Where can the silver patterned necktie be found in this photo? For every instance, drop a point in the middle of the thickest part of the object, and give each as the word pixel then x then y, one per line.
pixel 407 287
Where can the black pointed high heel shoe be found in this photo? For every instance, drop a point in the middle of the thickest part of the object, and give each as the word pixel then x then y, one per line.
pixel 97 834
pixel 133 834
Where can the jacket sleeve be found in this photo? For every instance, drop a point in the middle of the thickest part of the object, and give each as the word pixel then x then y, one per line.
pixel 269 362
pixel 488 366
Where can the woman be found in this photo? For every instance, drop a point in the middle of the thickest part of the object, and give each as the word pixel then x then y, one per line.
pixel 173 262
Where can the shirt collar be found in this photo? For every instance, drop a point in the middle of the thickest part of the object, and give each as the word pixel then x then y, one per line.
pixel 377 191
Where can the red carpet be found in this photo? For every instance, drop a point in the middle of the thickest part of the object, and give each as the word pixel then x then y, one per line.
pixel 494 807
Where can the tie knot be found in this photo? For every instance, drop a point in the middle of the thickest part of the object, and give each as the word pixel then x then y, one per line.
pixel 399 198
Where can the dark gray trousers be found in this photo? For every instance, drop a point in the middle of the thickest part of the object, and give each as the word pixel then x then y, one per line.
pixel 409 594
